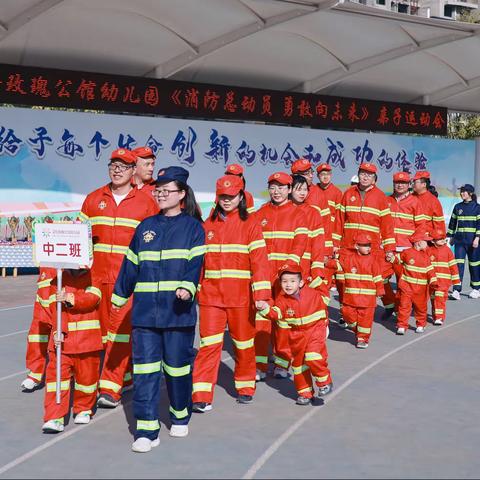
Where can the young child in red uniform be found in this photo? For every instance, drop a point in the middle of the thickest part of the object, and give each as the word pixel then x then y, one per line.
pixel 361 275
pixel 303 313
pixel 417 279
pixel 81 339
pixel 446 271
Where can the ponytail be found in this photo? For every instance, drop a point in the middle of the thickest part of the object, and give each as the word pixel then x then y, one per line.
pixel 190 205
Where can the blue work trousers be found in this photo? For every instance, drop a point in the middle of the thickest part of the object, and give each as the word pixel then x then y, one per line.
pixel 473 254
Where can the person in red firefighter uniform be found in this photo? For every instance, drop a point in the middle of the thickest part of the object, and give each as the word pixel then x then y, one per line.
pixel 432 211
pixel 38 334
pixel 81 339
pixel 237 170
pixel 416 281
pixel 407 219
pixel 303 311
pixel 361 276
pixel 364 209
pixel 114 212
pixel 285 232
pixel 235 266
pixel 446 271
pixel 144 167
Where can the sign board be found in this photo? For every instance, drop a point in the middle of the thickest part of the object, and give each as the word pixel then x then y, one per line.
pixel 62 245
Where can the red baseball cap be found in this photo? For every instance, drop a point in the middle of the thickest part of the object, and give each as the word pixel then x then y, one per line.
pixel 368 167
pixel 420 235
pixel 228 185
pixel 280 177
pixel 234 169
pixel 324 166
pixel 289 268
pixel 363 239
pixel 143 152
pixel 401 177
pixel 421 174
pixel 124 155
pixel 438 234
pixel 301 165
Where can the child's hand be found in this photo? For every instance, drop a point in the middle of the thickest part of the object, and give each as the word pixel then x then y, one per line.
pixel 183 294
pixel 261 305
pixel 390 257
pixel 58 339
pixel 64 297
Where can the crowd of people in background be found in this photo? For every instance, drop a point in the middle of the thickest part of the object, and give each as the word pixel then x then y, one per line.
pixel 266 274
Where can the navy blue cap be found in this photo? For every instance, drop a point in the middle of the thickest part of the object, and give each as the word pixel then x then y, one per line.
pixel 171 174
pixel 467 188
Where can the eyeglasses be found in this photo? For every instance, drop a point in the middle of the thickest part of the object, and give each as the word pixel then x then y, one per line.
pixel 277 188
pixel 365 174
pixel 165 193
pixel 118 166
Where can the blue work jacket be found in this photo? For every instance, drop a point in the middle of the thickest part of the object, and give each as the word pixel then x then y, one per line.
pixel 464 223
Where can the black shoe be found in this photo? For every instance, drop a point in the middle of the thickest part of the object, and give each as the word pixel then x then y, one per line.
pixel 388 313
pixel 107 401
pixel 245 399
pixel 342 324
pixel 201 407
pixel 303 400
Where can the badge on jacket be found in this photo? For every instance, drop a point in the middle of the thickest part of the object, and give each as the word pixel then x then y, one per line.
pixel 460 211
pixel 353 198
pixel 210 234
pixel 148 236
pixel 354 270
pixel 411 261
pixel 264 222
pixel 290 312
pixel 102 205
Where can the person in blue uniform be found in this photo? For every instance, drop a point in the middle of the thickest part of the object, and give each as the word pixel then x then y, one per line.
pixel 464 234
pixel 162 270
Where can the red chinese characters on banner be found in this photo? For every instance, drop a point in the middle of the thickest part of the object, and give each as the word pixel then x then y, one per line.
pixel 287 107
pixel 15 84
pixel 248 104
pixel 151 96
pixel 71 250
pixel 230 105
pixel 210 100
pixel 305 109
pixel 267 105
pixel 383 117
pixel 438 121
pixel 86 90
pixel 109 92
pixel 410 118
pixel 191 98
pixel 39 86
pixel 337 114
pixel 62 88
pixel 130 96
pixel 321 109
pixel 352 112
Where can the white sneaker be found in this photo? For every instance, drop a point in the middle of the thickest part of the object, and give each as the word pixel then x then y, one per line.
pixel 400 331
pixel 279 372
pixel 419 329
pixel 438 322
pixel 144 445
pixel 82 418
pixel 333 289
pixel 29 384
pixel 179 430
pixel 474 294
pixel 456 295
pixel 259 376
pixel 53 426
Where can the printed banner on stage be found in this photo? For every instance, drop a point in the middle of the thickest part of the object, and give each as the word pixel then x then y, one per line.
pixel 52 159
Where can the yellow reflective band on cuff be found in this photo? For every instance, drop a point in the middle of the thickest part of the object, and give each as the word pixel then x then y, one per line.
pixel 52 386
pixel 118 337
pixel 319 315
pixel 363 329
pixel 36 376
pixel 244 384
pixel 304 390
pixel 299 370
pixel 321 379
pixel 438 311
pixel 197 251
pixel 263 285
pixel 316 283
pixel 84 325
pixel 294 258
pixel 312 356
pixel 307 256
pixel 176 371
pixel 243 345
pixel 83 217
pixel 148 425
pixel 86 388
pixel 118 301
pixel 132 257
pixel 211 340
pixel 280 361
pixel 474 264
pixel 189 286
pixel 104 338
pixel 202 387
pixel 260 359
pixel 178 413
pixel 38 338
pixel 256 244
pixel 44 283
pixel 95 291
pixel 145 368
pixel 108 385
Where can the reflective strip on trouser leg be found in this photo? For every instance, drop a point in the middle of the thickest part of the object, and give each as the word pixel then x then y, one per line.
pixel 281 347
pixel 440 305
pixel 460 254
pixel 474 266
pixel 262 343
pixel 302 377
pixel 365 322
pixel 420 301
pixel 52 409
pixel 36 356
pixel 316 355
pixel 86 368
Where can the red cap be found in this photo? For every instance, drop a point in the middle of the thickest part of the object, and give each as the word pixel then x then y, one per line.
pixel 234 169
pixel 280 177
pixel 421 174
pixel 143 152
pixel 420 235
pixel 124 155
pixel 363 239
pixel 229 185
pixel 438 234
pixel 301 165
pixel 401 177
pixel 289 268
pixel 324 166
pixel 368 167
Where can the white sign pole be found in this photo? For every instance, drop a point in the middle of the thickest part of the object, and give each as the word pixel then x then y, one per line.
pixel 59 336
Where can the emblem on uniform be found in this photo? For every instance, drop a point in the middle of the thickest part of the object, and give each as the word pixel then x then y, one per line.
pixel 226 184
pixel 290 312
pixel 460 211
pixel 210 234
pixel 102 205
pixel 277 175
pixel 432 257
pixel 121 151
pixel 43 275
pixel 352 198
pixel 148 236
pixel 264 222
pixel 411 261
pixel 161 172
pixel 354 270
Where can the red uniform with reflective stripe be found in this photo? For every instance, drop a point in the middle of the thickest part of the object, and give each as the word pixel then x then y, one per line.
pixel 147 187
pixel 366 213
pixel 317 199
pixel 407 218
pixel 432 212
pixel 330 196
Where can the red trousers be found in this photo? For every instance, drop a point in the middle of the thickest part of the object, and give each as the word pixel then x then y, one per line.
pixel 37 346
pixel 360 320
pixel 241 327
pixel 439 304
pixel 117 369
pixel 309 357
pixel 390 299
pixel 84 368
pixel 419 302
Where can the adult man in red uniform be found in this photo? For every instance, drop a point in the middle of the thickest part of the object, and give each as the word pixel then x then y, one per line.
pixel 143 176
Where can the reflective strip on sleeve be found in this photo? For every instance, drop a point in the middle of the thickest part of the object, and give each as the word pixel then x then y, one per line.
pixel 256 244
pixel 44 283
pixel 132 256
pixel 197 251
pixel 118 300
pixel 38 338
pixel 263 285
pixel 118 337
pixel 95 291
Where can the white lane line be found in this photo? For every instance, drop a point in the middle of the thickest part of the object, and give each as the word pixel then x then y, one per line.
pixel 23 372
pixel 252 471
pixel 15 308
pixel 13 333
pixel 73 431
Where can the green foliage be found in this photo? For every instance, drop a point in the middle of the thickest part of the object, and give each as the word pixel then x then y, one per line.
pixel 463 126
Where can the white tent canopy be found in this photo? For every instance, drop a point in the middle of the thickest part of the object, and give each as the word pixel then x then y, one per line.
pixel 308 46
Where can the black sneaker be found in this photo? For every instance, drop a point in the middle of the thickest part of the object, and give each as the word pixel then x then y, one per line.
pixel 303 400
pixel 245 399
pixel 342 324
pixel 107 401
pixel 201 407
pixel 387 314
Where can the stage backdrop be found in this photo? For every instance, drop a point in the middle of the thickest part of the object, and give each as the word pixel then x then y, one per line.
pixel 52 159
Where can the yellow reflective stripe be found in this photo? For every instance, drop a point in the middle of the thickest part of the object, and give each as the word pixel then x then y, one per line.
pixel 294 258
pixel 361 226
pixel 282 324
pixel 263 285
pixel 95 291
pixel 38 338
pixel 452 263
pixel 363 329
pixel 118 337
pixel 227 248
pixel 132 257
pixel 176 371
pixel 86 388
pixel 320 314
pixel 278 256
pixel 438 219
pixel 403 231
pixel 146 368
pixel 148 425
pixel 474 264
pixel 36 376
pixel 228 273
pixel 304 390
pixel 211 340
pixel 107 384
pixel 316 282
pixel 336 236
pixel 310 356
pixel 388 241
pixel 307 256
pixel 467 218
pixel 406 216
pixel 189 286
pixel 104 339
pixel 438 311
pixel 416 281
pixel 377 279
pixel 417 269
pixel 127 377
pixel 466 229
pixel 52 386
pixel 197 251
pixel 178 413
pixel 260 359
pixel 45 302
pixel 243 344
pixel 299 370
pixel 301 231
pixel 250 209
pixel 152 287
pixel 460 260
pixel 202 387
pixel 321 379
pixel 441 264
pixel 44 283
pixel 244 384
pixel 118 301
pixel 278 234
pixel 256 244
pixel 83 217
pixel 101 220
pixel 315 233
pixel 126 222
pixel 361 291
pixel 358 276
pixel 84 325
pixel 107 248
pixel 280 361
pixel 317 265
pixel 445 276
